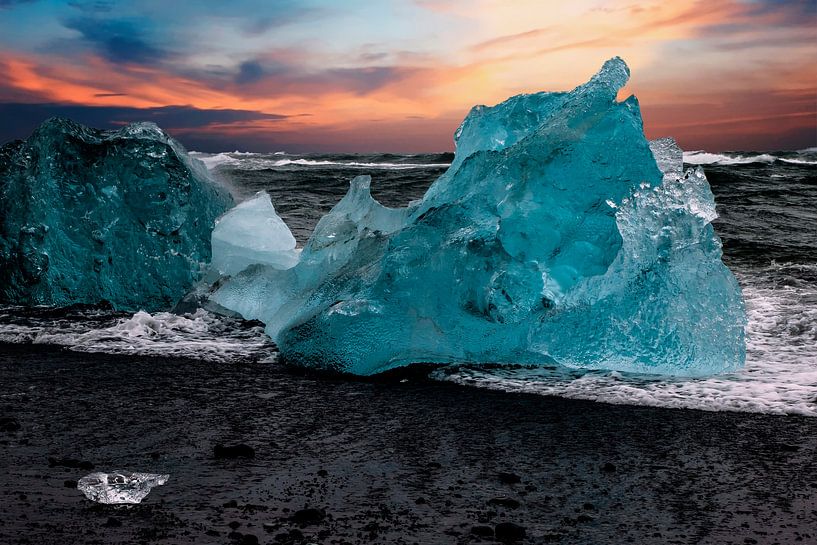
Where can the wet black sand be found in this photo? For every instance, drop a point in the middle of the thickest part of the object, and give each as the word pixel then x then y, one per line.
pixel 381 462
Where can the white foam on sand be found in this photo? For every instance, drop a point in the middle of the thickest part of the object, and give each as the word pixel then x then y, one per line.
pixel 201 335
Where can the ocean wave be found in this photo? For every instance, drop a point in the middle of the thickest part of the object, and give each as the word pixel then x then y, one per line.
pixel 706 158
pixel 212 161
pixel 797 161
pixel 355 164
pixel 255 161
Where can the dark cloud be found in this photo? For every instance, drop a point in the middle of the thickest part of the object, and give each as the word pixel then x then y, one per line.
pixel 19 119
pixel 249 72
pixel 119 41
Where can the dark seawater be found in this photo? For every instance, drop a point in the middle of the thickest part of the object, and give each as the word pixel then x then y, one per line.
pixel 767 204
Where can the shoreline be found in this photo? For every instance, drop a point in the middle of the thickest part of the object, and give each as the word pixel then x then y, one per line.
pixel 397 459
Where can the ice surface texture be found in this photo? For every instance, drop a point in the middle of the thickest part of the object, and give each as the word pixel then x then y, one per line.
pixel 88 216
pixel 119 486
pixel 557 236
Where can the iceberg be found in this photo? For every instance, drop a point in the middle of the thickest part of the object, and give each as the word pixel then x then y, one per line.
pixel 88 216
pixel 119 486
pixel 559 235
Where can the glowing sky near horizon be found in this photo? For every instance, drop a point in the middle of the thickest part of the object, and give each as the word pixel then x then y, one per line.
pixel 400 75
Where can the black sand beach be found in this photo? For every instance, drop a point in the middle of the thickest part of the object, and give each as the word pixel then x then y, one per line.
pixel 399 460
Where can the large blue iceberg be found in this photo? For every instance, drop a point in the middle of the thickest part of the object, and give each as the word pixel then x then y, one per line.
pixel 558 235
pixel 88 216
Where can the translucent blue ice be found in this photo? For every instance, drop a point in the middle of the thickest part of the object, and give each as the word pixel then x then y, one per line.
pixel 250 233
pixel 88 216
pixel 558 235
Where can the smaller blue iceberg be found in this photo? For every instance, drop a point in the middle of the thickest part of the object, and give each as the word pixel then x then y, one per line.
pixel 249 234
pixel 90 216
pixel 558 235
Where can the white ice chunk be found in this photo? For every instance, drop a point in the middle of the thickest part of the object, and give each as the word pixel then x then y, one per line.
pixel 252 233
pixel 119 486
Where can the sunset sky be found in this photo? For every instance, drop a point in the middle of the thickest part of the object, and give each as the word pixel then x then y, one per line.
pixel 400 75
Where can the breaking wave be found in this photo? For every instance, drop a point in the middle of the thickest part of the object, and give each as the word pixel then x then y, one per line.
pixel 260 161
pixel 355 164
pixel 252 161
pixel 797 161
pixel 706 158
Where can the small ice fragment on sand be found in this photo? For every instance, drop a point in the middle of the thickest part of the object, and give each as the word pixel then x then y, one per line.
pixel 119 486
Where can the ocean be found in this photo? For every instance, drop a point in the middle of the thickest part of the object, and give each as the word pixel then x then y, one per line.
pixel 767 203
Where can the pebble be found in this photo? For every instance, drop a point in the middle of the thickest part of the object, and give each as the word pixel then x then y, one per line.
pixel 509 532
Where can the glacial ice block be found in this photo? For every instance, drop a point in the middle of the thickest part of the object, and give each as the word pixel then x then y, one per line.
pixel 88 216
pixel 119 487
pixel 252 233
pixel 558 235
